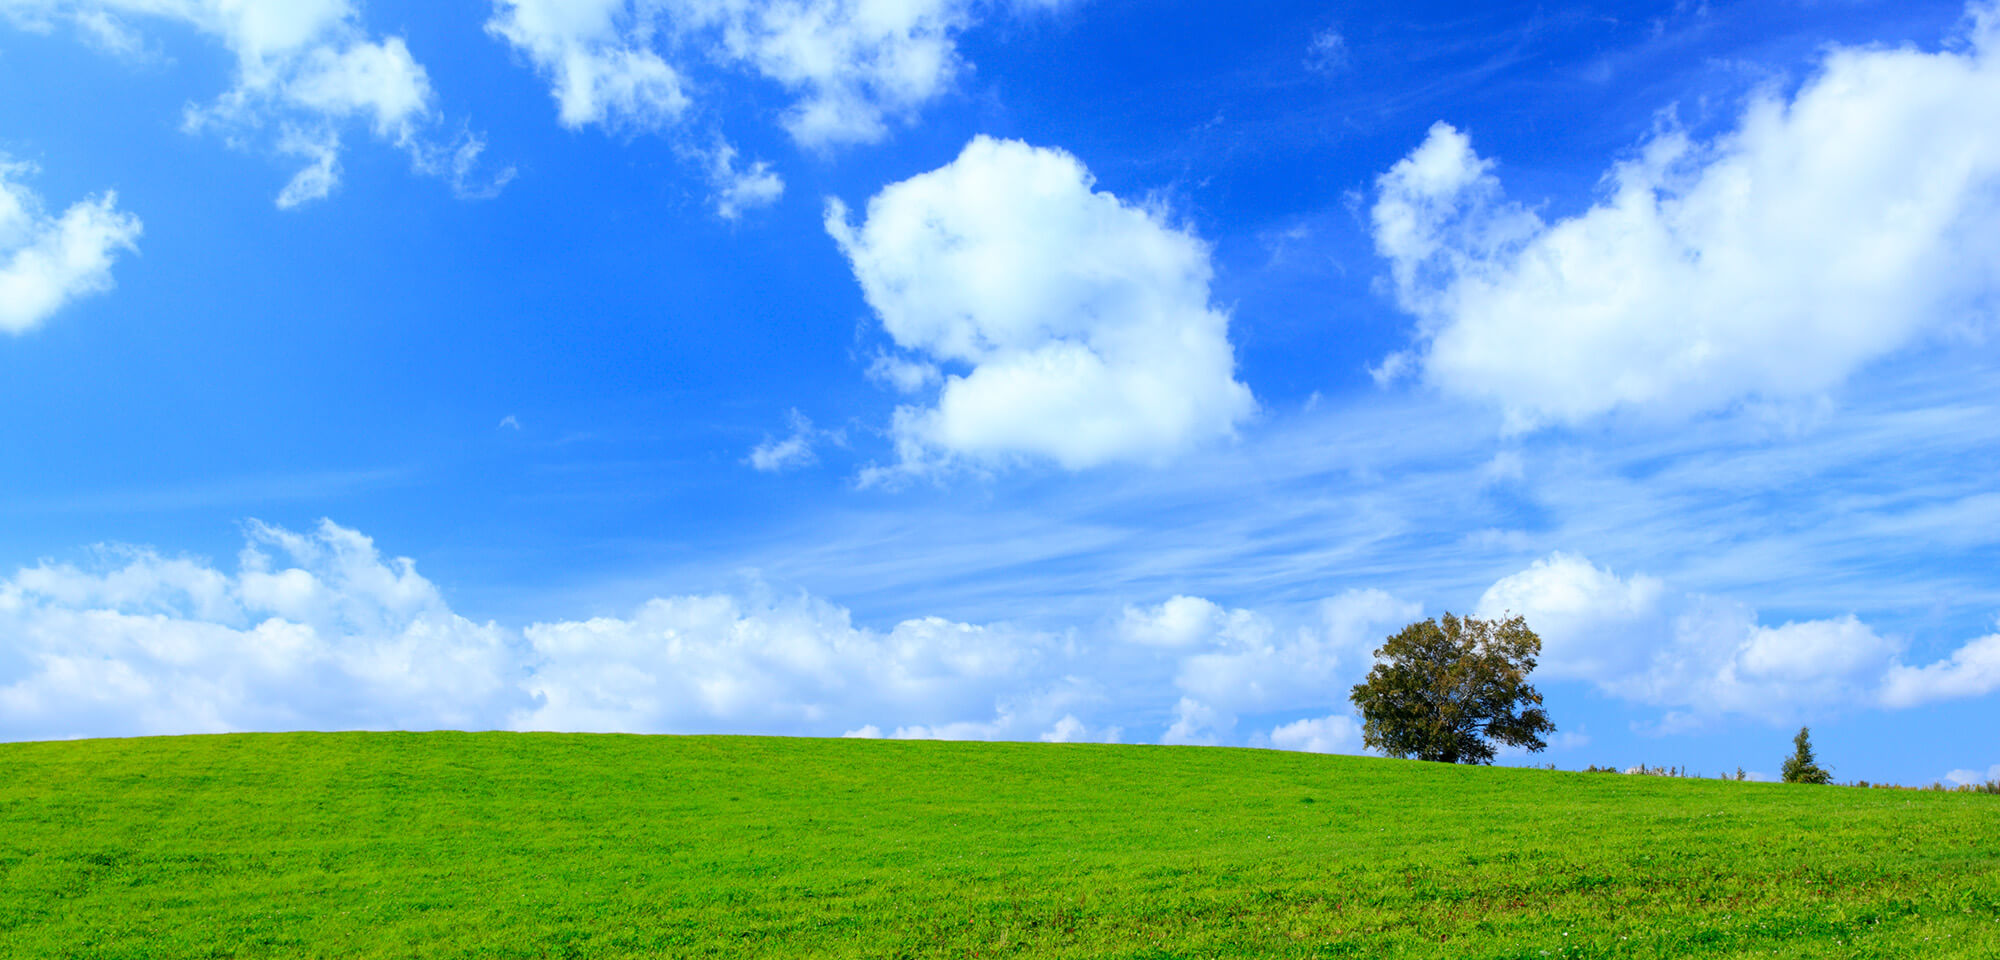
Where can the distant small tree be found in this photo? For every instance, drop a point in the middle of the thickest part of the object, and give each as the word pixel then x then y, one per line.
pixel 1449 692
pixel 1801 767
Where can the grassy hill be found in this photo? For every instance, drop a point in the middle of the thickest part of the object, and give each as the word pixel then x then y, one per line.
pixel 527 845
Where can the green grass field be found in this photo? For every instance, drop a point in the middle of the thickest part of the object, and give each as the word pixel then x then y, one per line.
pixel 528 845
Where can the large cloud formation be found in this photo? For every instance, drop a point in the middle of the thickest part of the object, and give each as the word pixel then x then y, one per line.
pixel 1703 657
pixel 1827 229
pixel 304 70
pixel 339 638
pixel 47 261
pixel 320 630
pixel 1076 327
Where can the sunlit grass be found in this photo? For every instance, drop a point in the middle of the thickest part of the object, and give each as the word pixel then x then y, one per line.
pixel 529 845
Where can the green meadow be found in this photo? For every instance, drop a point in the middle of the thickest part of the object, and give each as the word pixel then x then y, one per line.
pixel 532 845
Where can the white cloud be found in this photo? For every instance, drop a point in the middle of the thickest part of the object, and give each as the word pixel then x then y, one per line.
pixel 1197 724
pixel 300 65
pixel 378 81
pixel 1179 622
pixel 1083 322
pixel 738 189
pixel 319 630
pixel 1594 625
pixel 852 66
pixel 1966 778
pixel 1972 670
pixel 321 148
pixel 1357 621
pixel 903 374
pixel 1569 740
pixel 777 455
pixel 1706 657
pixel 1067 730
pixel 152 645
pixel 786 665
pixel 1333 734
pixel 595 54
pixel 1826 230
pixel 109 34
pixel 1248 664
pixel 1233 663
pixel 1327 53
pixel 47 261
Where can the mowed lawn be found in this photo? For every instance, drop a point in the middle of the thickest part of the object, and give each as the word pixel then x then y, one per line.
pixel 533 845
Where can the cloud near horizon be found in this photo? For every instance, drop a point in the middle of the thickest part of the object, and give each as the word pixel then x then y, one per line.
pixel 320 630
pixel 1828 229
pixel 1703 657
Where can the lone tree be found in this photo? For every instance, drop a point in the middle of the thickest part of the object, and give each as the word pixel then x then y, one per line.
pixel 1800 767
pixel 1450 692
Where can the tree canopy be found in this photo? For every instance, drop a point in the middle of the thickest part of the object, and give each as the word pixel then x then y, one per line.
pixel 1801 767
pixel 1451 691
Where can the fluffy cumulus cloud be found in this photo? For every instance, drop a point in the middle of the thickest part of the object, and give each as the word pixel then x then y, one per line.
pixel 1332 734
pixel 737 187
pixel 1972 670
pixel 1966 778
pixel 597 57
pixel 793 665
pixel 1232 664
pixel 1828 228
pixel 304 70
pixel 1703 657
pixel 321 630
pixel 312 631
pixel 47 261
pixel 852 64
pixel 1058 321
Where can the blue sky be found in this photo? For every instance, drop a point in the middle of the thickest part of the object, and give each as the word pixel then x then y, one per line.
pixel 1058 369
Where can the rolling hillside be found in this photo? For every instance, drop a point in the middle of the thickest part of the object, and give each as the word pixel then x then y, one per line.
pixel 530 845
